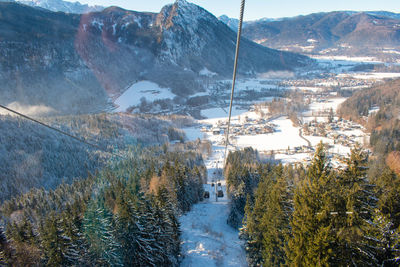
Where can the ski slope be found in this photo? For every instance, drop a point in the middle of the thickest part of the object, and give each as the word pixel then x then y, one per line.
pixel 207 239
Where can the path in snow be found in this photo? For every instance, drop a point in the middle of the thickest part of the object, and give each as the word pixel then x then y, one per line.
pixel 207 239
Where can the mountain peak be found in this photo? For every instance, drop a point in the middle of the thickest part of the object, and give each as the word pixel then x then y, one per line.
pixel 60 5
pixel 181 2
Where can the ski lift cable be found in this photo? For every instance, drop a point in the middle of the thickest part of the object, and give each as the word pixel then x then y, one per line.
pixel 234 76
pixel 60 131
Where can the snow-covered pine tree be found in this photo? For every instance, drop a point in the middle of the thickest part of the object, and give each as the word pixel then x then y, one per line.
pixel 99 230
pixel 24 243
pixel 57 246
pixel 388 191
pixel 3 247
pixel 385 239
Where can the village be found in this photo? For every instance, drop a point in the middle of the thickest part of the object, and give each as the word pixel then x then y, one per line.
pixel 277 137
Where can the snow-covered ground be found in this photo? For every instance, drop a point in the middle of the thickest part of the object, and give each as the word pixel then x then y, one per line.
pixel 285 135
pixel 346 59
pixel 373 75
pixel 221 113
pixel 207 238
pixel 144 89
pixel 324 106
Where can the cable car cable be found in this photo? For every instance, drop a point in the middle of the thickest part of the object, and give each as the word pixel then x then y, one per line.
pixel 60 131
pixel 234 76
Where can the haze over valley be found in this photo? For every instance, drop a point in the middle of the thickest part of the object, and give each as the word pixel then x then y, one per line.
pixel 116 140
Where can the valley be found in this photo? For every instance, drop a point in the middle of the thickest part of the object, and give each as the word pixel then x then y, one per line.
pixel 277 138
pixel 113 127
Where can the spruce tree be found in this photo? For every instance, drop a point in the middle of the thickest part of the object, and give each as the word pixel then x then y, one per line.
pixel 311 240
pixel 388 191
pixel 353 210
pixel 99 229
pixel 385 239
pixel 57 246
pixel 4 248
pixel 276 220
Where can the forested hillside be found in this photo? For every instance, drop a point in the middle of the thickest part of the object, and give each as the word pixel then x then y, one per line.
pixel 125 215
pixel 34 156
pixel 383 123
pixel 317 215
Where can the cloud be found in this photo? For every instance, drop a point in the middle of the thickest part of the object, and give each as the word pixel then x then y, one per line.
pixel 34 110
pixel 276 75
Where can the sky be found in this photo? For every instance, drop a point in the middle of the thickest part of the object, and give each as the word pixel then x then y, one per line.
pixel 256 9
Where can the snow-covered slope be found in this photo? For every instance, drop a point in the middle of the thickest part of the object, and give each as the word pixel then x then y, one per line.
pixel 80 62
pixel 207 239
pixel 142 91
pixel 63 6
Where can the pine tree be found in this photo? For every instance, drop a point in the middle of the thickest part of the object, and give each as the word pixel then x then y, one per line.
pixel 266 222
pixel 99 229
pixel 276 221
pixel 4 248
pixel 384 231
pixel 73 225
pixel 388 191
pixel 386 240
pixel 251 231
pixel 353 210
pixel 57 246
pixel 23 243
pixel 311 240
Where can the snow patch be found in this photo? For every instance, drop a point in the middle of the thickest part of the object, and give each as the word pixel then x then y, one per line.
pixel 98 23
pixel 206 72
pixel 144 89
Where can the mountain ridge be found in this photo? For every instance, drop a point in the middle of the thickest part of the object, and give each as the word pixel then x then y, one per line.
pixel 331 33
pixel 59 6
pixel 78 63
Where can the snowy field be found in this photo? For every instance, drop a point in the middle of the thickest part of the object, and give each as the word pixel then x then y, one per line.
pixel 144 89
pixel 373 75
pixel 346 59
pixel 285 135
pixel 332 103
pixel 207 239
pixel 220 113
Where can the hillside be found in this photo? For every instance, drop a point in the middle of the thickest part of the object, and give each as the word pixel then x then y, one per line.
pixel 333 33
pixel 35 157
pixel 78 63
pixel 378 108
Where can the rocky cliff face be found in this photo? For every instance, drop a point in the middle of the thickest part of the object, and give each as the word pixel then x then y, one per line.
pixel 77 63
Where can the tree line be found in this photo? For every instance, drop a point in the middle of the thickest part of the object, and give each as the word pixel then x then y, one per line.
pixel 316 215
pixel 125 215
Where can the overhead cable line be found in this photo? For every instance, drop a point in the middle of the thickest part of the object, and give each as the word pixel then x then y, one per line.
pixel 239 34
pixel 60 131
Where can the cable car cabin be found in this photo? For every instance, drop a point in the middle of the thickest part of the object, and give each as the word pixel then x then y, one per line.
pixel 220 193
pixel 206 194
pixel 216 131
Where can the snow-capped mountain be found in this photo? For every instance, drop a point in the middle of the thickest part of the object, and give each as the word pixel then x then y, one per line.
pixel 63 6
pixel 341 32
pixel 76 63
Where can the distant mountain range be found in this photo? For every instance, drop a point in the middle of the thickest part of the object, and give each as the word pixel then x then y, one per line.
pixel 76 63
pixel 342 32
pixel 59 5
